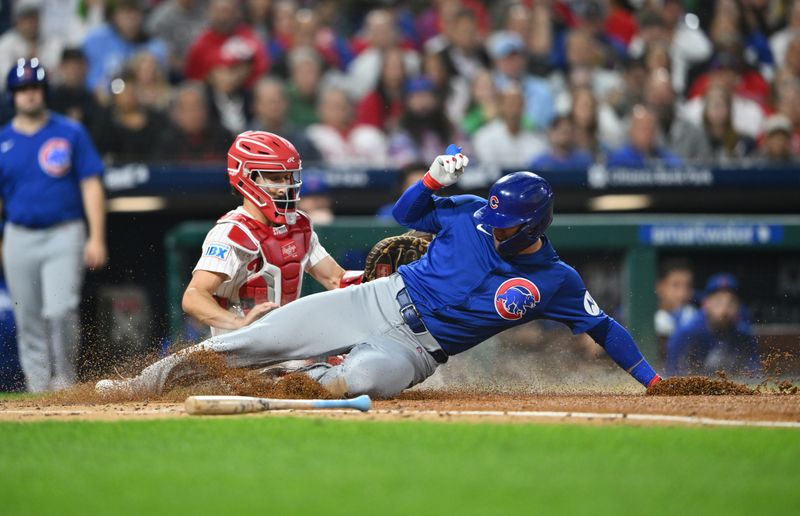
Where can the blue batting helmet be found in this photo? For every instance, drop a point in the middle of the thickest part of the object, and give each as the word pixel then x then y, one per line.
pixel 521 198
pixel 25 73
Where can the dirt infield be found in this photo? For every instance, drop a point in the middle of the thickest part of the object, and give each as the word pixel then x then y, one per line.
pixel 463 406
pixel 687 400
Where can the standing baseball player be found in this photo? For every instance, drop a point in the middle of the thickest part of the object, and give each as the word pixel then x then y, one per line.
pixel 490 268
pixel 50 179
pixel 254 257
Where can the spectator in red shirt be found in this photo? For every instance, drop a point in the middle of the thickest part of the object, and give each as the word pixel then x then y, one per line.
pixel 226 33
pixel 728 67
pixel 383 106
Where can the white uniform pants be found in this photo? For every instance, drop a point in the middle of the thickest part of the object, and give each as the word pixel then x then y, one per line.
pixel 385 356
pixel 44 272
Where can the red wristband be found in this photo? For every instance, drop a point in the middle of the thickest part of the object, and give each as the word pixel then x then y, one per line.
pixel 430 183
pixel 654 381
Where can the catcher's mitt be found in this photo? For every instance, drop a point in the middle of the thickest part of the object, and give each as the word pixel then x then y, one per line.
pixel 392 252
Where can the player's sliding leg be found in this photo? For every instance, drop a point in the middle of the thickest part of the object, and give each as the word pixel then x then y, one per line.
pixel 382 368
pixel 323 324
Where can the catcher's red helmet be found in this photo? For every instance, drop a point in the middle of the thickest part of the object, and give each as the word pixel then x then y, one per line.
pixel 252 158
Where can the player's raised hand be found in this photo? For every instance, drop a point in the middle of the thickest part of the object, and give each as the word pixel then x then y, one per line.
pixel 257 312
pixel 445 170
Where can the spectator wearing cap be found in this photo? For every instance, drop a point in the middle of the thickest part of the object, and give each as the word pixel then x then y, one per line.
pixel 70 96
pixel 424 129
pixel 270 109
pixel 563 155
pixel 178 23
pixel 776 146
pixel 226 38
pixel 340 142
pixel 717 338
pixel 193 135
pixel 109 46
pixel 229 99
pixel 365 70
pixel 682 137
pixel 643 149
pixel 509 55
pixel 315 200
pixel 505 142
pixel 27 40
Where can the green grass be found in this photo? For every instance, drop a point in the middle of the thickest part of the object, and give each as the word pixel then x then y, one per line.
pixel 17 395
pixel 289 466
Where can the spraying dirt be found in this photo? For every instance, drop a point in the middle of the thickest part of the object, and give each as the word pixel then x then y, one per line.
pixel 699 386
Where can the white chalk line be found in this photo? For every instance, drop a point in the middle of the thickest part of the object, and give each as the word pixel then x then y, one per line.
pixel 588 416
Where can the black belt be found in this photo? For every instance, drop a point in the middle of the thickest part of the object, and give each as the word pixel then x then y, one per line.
pixel 414 321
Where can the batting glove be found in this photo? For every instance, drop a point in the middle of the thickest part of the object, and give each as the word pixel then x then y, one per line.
pixel 445 171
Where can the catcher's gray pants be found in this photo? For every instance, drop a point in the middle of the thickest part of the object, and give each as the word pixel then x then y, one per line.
pixel 44 271
pixel 385 356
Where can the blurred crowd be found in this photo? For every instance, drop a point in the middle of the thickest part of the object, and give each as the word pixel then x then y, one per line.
pixel 545 84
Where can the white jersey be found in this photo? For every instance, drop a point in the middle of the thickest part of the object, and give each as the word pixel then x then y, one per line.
pixel 222 255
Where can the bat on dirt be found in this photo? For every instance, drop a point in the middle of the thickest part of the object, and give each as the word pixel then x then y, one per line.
pixel 205 405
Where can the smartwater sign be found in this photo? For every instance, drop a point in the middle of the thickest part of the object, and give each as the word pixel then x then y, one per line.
pixel 710 234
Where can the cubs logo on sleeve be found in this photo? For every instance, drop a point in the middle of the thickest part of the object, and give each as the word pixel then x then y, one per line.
pixel 55 157
pixel 218 251
pixel 515 297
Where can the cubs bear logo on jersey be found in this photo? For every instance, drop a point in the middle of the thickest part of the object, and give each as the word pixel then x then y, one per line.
pixel 55 157
pixel 515 297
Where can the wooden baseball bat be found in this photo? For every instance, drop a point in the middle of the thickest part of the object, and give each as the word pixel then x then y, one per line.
pixel 206 405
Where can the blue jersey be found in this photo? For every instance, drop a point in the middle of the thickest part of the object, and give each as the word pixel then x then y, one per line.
pixel 467 293
pixel 40 174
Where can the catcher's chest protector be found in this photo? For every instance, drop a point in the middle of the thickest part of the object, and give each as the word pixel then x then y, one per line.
pixel 275 272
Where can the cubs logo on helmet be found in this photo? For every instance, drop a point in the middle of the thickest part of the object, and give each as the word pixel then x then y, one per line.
pixel 55 157
pixel 494 202
pixel 515 297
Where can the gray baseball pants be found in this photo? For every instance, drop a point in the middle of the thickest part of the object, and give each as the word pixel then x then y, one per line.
pixel 44 272
pixel 384 356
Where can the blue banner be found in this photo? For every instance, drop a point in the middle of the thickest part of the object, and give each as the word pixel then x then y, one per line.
pixel 733 234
